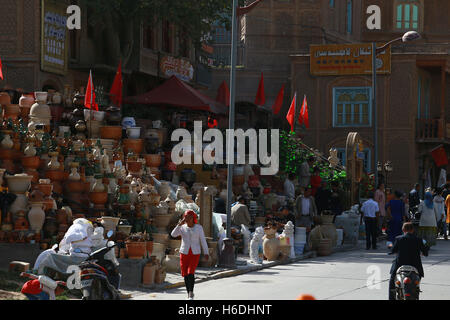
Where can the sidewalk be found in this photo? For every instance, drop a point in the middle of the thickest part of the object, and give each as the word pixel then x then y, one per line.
pixel 243 265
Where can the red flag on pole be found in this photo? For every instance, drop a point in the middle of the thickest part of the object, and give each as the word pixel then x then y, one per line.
pixel 1 69
pixel 291 114
pixel 117 86
pixel 260 99
pixel 89 99
pixel 279 101
pixel 303 118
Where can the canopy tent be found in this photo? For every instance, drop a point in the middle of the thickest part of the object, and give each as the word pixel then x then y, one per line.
pixel 177 93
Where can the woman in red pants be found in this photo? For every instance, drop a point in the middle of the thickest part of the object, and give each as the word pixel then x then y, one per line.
pixel 192 238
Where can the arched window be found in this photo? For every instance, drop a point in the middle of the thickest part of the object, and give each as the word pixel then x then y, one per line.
pixel 407 14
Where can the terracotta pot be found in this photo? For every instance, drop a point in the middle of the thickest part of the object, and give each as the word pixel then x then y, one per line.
pixel 31 162
pixel 271 245
pixel 55 175
pixel 5 99
pixel 48 204
pixel 46 189
pixel 161 221
pixel 98 197
pixel 110 223
pixel 149 248
pixel 324 248
pixel 134 166
pixel 161 238
pixel 111 132
pixel 34 174
pixel 149 273
pixel 136 250
pixel 126 229
pixel 75 186
pixel 6 154
pixel 152 160
pixel 135 145
pixel 26 100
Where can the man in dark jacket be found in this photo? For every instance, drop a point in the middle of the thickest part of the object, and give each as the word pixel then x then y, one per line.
pixel 408 248
pixel 414 197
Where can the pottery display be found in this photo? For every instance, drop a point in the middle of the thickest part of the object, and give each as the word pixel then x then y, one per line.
pixel 136 250
pixel 19 183
pixel 134 132
pixel 12 111
pixel 7 142
pixel 110 223
pixel 128 122
pixel 159 250
pixel 134 145
pixel 111 132
pixel 171 263
pixel 5 99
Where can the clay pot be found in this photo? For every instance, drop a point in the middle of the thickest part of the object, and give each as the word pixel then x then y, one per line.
pixel 134 166
pixel 19 183
pixel 171 263
pixel 134 132
pixel 136 250
pixel 149 248
pixel 34 174
pixel 329 231
pixel 110 223
pixel 36 216
pixel 161 221
pixel 271 245
pixel 7 142
pixel 5 99
pixel 6 154
pixel 159 250
pixel 111 132
pixel 31 162
pixel 98 197
pixel 324 248
pixel 12 111
pixel 75 186
pixel 148 275
pixel 135 145
pixel 153 160
pixel 55 175
pixel 161 238
pixel 26 100
pixel 126 229
pixel 46 189
pixel 49 204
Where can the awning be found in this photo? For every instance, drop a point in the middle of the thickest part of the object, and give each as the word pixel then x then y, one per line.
pixel 177 93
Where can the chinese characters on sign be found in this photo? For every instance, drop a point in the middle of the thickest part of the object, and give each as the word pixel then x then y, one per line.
pixel 54 37
pixel 181 68
pixel 347 59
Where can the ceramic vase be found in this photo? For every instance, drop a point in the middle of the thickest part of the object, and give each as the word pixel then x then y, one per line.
pixel 36 216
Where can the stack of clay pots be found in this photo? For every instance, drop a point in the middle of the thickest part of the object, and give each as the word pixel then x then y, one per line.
pixel 133 143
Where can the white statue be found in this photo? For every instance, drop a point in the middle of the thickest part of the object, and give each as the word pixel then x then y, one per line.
pixel 255 244
pixel 288 232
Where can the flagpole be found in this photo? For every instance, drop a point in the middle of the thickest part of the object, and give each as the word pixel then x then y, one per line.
pixel 230 152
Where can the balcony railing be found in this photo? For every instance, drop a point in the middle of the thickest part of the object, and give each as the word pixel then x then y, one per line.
pixel 430 129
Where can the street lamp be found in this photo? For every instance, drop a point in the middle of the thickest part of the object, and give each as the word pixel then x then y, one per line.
pixel 407 37
pixel 387 168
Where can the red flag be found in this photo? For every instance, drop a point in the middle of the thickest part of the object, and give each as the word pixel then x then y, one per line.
pixel 260 99
pixel 279 101
pixel 116 89
pixel 440 156
pixel 223 94
pixel 1 69
pixel 303 118
pixel 89 99
pixel 291 114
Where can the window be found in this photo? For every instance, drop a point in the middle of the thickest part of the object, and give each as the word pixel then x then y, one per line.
pixel 149 38
pixel 407 14
pixel 349 15
pixel 367 159
pixel 352 107
pixel 423 98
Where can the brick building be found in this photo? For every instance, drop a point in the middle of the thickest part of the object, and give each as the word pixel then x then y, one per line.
pixel 412 99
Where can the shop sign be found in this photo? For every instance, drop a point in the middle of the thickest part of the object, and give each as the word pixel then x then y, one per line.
pixel 54 37
pixel 347 59
pixel 181 68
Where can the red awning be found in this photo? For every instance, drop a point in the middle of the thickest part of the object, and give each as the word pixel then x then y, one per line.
pixel 177 93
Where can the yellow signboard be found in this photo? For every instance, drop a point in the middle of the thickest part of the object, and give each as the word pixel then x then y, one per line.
pixel 54 37
pixel 347 59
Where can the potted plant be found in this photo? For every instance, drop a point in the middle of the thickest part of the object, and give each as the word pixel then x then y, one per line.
pixel 136 245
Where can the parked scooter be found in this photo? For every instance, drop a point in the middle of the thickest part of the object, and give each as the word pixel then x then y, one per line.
pixel 100 277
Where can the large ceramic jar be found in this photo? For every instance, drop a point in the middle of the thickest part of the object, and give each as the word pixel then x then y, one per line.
pixel 7 142
pixel 172 263
pixel 36 216
pixel 128 122
pixel 19 183
pixel 98 186
pixel 271 245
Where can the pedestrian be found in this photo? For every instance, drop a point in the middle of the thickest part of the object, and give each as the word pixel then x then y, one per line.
pixel 305 172
pixel 439 202
pixel 316 181
pixel 337 198
pixel 396 217
pixel 323 197
pixel 240 214
pixel 414 197
pixel 305 210
pixel 429 217
pixel 380 198
pixel 289 187
pixel 370 212
pixel 192 238
pixel 408 248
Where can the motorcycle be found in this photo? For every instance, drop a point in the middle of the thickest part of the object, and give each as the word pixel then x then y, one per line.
pixel 407 283
pixel 100 278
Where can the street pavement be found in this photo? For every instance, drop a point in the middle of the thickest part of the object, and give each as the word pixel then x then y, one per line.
pixel 350 275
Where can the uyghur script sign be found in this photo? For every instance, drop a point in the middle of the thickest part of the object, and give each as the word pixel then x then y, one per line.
pixel 181 68
pixel 54 39
pixel 347 59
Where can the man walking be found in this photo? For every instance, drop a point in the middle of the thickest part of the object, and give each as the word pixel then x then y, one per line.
pixel 289 187
pixel 414 197
pixel 408 248
pixel 371 211
pixel 305 173
pixel 305 210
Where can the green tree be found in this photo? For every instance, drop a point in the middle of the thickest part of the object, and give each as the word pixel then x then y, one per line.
pixel 114 22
